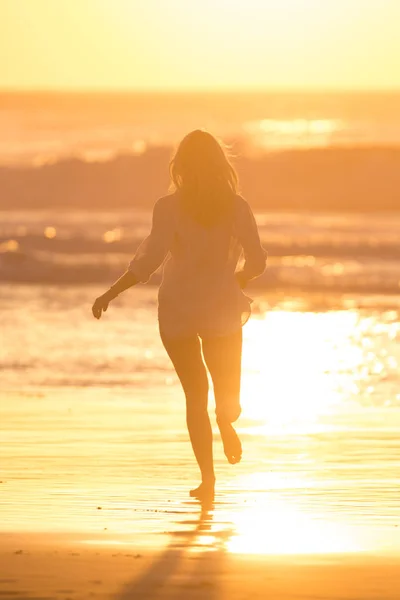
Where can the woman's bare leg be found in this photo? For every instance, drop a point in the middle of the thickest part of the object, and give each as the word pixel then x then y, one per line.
pixel 185 354
pixel 223 356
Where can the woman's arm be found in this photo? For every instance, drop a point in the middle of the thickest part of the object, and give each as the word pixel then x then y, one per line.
pixel 101 303
pixel 154 249
pixel 254 254
pixel 149 256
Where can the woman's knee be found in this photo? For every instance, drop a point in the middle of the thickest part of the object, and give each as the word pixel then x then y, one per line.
pixel 196 406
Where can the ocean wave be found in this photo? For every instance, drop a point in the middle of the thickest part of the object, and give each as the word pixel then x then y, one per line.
pixel 335 178
pixel 307 250
pixel 302 272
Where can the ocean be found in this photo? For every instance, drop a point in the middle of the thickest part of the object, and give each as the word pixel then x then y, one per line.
pixel 45 127
pixel 93 435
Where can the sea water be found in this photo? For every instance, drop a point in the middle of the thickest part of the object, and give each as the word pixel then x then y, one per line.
pixel 93 435
pixel 93 438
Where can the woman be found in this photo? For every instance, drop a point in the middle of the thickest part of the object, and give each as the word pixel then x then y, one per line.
pixel 199 230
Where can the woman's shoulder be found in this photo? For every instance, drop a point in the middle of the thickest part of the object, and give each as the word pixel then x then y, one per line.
pixel 240 201
pixel 165 208
pixel 165 202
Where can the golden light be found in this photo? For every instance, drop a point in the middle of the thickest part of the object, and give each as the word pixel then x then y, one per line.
pixel 305 44
pixel 304 373
pixel 113 235
pixel 277 527
pixel 50 232
pixel 9 246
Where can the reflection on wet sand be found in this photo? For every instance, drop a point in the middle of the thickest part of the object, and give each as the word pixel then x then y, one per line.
pixel 209 557
pixel 169 569
pixel 213 553
pixel 99 441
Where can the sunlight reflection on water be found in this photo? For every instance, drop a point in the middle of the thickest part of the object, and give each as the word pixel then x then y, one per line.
pixel 97 440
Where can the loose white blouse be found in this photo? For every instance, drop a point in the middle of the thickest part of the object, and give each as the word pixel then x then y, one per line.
pixel 199 293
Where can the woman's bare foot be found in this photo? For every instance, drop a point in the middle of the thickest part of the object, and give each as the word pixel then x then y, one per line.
pixel 231 442
pixel 205 491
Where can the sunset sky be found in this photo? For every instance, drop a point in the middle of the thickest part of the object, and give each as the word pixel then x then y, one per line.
pixel 143 44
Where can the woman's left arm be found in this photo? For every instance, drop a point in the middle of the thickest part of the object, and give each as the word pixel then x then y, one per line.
pixel 149 256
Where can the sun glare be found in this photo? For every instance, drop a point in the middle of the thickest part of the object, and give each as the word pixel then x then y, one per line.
pixel 277 527
pixel 303 373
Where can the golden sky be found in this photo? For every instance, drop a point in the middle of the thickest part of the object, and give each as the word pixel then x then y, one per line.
pixel 125 44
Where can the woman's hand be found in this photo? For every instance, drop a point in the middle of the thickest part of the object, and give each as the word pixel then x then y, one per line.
pixel 100 305
pixel 126 281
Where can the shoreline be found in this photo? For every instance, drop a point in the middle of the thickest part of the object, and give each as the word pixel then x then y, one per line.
pixel 52 566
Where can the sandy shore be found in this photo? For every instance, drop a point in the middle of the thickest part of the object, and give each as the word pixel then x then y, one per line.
pixel 49 567
pixel 96 443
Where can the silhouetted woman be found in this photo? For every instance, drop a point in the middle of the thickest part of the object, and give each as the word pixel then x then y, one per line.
pixel 199 230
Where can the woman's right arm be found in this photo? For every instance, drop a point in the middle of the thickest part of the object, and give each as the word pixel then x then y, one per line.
pixel 149 256
pixel 101 303
pixel 254 254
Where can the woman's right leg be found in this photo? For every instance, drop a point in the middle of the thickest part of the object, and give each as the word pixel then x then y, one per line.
pixel 223 356
pixel 185 354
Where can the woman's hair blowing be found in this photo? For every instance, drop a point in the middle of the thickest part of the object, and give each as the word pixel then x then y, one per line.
pixel 206 181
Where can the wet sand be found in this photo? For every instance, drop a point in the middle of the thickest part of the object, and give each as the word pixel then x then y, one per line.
pixel 118 532
pixel 56 567
pixel 96 463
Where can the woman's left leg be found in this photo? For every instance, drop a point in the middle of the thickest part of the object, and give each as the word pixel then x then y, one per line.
pixel 186 356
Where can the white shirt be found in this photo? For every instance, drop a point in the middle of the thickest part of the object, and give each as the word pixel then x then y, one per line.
pixel 199 293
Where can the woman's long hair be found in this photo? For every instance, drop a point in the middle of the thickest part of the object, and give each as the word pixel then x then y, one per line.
pixel 204 178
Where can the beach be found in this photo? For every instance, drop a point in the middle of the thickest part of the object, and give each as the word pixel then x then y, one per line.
pixel 106 108
pixel 96 462
pixel 51 569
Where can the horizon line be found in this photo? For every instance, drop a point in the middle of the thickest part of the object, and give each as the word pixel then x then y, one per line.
pixel 198 90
